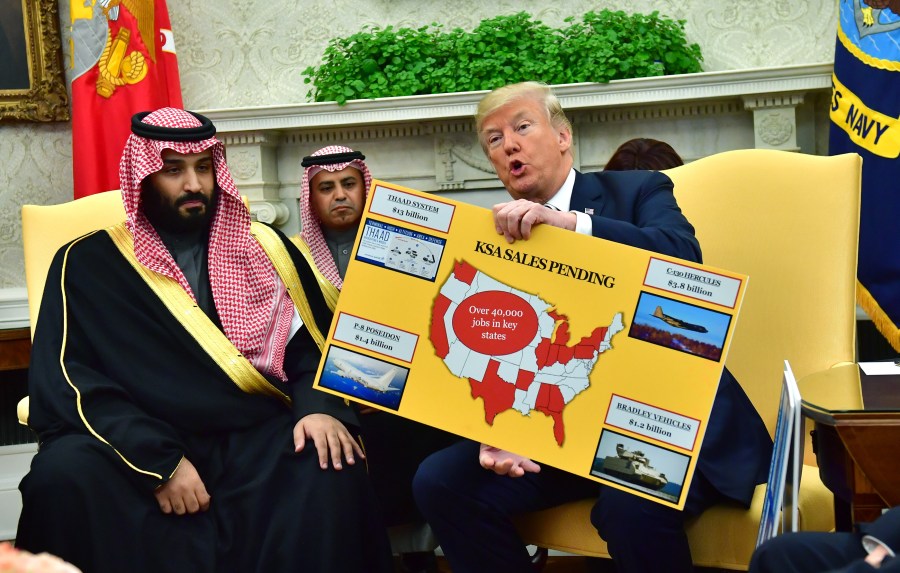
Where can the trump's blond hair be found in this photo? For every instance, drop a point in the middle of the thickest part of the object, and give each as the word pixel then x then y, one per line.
pixel 501 96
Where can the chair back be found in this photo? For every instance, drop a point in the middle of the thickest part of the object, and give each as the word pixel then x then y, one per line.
pixel 791 222
pixel 45 228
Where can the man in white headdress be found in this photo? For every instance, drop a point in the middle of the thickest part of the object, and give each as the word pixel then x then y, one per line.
pixel 336 182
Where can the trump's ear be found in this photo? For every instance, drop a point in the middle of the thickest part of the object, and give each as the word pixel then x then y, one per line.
pixel 564 136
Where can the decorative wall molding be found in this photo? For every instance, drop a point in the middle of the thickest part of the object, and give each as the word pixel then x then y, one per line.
pixel 13 308
pixel 776 129
pixel 618 93
pixel 762 101
pixel 677 110
pixel 775 119
pixel 272 212
pixel 451 149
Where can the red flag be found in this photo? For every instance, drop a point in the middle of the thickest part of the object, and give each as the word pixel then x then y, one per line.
pixel 123 62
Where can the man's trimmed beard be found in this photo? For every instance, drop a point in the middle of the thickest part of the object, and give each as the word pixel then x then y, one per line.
pixel 166 216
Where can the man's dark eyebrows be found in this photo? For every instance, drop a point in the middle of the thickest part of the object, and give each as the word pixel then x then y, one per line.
pixel 182 161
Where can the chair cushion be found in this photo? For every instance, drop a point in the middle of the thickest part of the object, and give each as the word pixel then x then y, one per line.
pixel 724 536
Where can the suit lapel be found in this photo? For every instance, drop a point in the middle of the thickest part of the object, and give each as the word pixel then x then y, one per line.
pixel 587 195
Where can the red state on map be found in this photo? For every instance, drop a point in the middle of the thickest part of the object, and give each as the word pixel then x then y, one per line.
pixel 438 331
pixel 464 272
pixel 565 354
pixel 550 402
pixel 590 344
pixel 497 394
pixel 561 336
pixel 552 352
pixel 541 352
pixel 524 379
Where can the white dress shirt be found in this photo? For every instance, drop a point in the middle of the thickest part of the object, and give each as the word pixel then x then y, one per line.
pixel 562 200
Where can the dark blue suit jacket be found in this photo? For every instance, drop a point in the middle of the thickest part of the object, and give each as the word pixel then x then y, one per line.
pixel 638 208
pixel 886 529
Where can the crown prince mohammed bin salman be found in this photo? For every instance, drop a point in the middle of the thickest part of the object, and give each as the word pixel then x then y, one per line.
pixel 171 387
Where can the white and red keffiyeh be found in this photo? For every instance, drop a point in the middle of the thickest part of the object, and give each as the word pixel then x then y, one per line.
pixel 311 226
pixel 250 298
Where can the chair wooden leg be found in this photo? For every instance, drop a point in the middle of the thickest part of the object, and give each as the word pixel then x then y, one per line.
pixel 843 516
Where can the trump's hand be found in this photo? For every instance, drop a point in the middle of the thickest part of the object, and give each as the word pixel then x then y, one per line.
pixel 515 219
pixel 876 556
pixel 505 463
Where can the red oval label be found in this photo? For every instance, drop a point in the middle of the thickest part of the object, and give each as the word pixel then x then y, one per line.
pixel 495 322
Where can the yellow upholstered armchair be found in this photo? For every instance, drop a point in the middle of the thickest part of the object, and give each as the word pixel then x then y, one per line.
pixel 45 228
pixel 789 221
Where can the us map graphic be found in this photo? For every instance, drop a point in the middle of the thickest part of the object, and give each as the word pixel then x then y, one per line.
pixel 513 347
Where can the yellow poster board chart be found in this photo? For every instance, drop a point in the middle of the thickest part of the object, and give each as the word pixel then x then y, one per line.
pixel 591 356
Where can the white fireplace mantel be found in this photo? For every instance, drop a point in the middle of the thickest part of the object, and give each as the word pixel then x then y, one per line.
pixel 700 87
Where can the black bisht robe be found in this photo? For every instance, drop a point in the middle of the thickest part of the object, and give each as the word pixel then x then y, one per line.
pixel 120 391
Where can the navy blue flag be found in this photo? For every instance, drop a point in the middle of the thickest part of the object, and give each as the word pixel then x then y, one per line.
pixel 865 106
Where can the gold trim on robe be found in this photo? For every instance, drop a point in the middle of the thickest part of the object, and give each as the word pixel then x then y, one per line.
pixel 65 372
pixel 329 291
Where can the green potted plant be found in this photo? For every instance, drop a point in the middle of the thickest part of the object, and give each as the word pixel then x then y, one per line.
pixel 600 47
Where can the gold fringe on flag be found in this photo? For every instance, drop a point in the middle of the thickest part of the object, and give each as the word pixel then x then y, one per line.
pixel 880 318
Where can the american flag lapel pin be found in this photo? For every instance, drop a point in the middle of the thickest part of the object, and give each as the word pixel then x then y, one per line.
pixel 589 210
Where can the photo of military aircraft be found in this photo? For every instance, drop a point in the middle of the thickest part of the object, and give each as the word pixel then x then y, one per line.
pixel 378 383
pixel 677 322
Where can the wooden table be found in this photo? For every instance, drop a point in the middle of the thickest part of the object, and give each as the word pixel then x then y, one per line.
pixel 15 348
pixel 856 439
